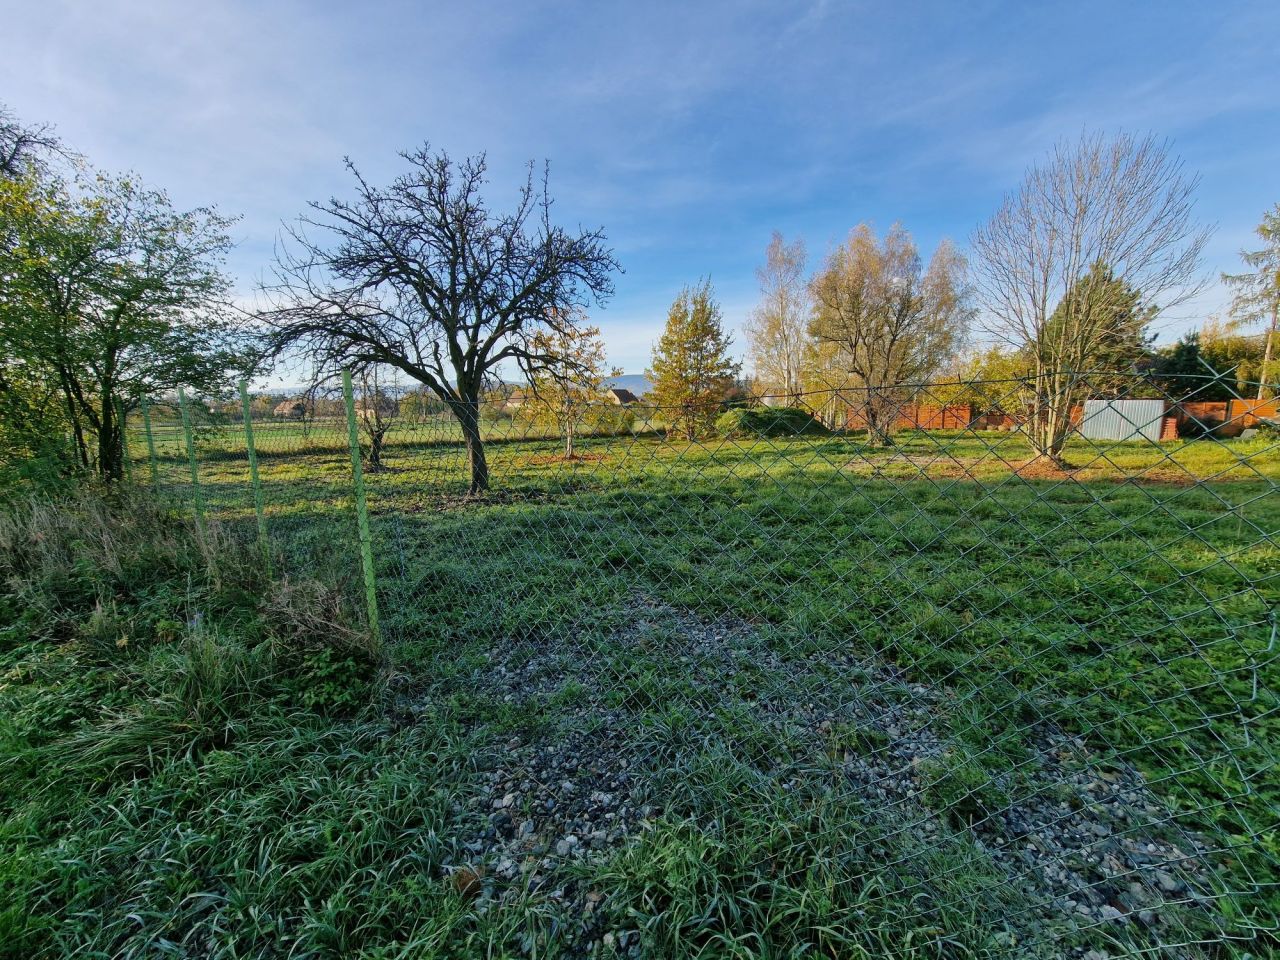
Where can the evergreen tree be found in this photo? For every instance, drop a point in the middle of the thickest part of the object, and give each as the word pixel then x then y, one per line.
pixel 1101 329
pixel 1185 373
pixel 692 370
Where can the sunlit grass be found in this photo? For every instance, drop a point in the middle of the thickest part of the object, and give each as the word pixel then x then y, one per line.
pixel 1121 601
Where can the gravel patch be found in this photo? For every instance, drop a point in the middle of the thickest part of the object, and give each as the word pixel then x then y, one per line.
pixel 1084 839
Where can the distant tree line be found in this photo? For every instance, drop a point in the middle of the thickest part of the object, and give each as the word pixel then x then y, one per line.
pixel 1068 279
pixel 430 297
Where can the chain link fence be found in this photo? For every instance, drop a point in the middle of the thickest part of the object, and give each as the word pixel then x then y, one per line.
pixel 1004 651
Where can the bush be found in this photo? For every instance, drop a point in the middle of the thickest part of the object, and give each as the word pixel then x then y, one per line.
pixel 607 421
pixel 768 422
pixel 1268 428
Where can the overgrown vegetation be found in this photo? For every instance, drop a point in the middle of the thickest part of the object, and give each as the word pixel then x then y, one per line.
pixel 744 422
pixel 138 657
pixel 1099 602
pixel 778 692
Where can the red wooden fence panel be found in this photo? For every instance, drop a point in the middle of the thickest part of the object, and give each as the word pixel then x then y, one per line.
pixel 919 416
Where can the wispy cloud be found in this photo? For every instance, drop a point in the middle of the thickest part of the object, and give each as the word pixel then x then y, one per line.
pixel 689 131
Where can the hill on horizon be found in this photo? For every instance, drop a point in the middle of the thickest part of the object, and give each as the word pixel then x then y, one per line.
pixel 637 383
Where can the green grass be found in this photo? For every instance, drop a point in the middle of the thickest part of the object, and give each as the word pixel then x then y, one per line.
pixel 238 813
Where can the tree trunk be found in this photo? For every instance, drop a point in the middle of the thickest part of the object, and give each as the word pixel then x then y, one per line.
pixel 1050 421
pixel 1266 351
pixel 110 458
pixel 468 414
pixel 881 415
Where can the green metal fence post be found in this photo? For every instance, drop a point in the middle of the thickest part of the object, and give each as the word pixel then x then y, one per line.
pixel 191 458
pixel 362 510
pixel 253 476
pixel 151 443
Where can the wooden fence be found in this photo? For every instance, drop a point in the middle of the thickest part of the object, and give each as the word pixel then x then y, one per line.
pixel 1226 418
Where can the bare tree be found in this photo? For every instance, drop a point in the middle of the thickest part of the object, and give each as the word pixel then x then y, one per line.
pixel 376 411
pixel 1100 219
pixel 23 147
pixel 777 330
pixel 422 277
pixel 893 322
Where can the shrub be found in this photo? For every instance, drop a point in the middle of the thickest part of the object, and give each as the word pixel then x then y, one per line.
pixel 610 421
pixel 1200 429
pixel 119 575
pixel 768 422
pixel 68 561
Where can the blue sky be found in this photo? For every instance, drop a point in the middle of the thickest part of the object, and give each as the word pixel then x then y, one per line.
pixel 688 131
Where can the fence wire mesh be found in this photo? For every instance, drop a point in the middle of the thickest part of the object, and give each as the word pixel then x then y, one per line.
pixel 904 653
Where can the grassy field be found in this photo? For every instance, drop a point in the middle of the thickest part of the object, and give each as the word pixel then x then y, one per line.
pixel 779 698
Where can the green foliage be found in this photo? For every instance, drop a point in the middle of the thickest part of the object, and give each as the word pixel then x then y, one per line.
pixel 110 295
pixel 1257 299
pixel 1099 327
pixel 1228 348
pixel 184 787
pixel 333 681
pixel 1184 372
pixel 961 788
pixel 768 422
pixel 992 379
pixel 692 371
pixel 761 871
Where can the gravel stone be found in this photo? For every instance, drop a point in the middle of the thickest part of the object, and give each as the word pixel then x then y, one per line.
pixel 1079 833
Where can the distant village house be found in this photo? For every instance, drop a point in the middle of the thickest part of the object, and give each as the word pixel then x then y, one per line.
pixel 621 396
pixel 294 408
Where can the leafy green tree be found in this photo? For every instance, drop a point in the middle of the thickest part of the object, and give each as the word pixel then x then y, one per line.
pixel 110 295
pixel 1227 347
pixel 991 379
pixel 692 370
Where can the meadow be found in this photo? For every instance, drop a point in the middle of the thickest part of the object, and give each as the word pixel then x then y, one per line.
pixel 734 698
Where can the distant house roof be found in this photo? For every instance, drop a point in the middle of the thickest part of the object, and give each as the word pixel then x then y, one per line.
pixel 293 407
pixel 621 395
